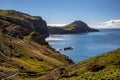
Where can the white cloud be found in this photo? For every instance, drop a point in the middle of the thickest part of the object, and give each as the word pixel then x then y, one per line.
pixel 108 24
pixel 58 25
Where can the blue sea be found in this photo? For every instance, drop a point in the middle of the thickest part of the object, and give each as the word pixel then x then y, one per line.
pixel 86 45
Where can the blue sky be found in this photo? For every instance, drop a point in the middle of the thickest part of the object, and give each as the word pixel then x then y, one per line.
pixel 66 11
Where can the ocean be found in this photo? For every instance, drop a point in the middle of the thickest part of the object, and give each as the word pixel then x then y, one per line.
pixel 86 45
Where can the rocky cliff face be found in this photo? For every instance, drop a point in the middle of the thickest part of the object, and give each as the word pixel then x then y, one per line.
pixel 34 23
pixel 74 27
pixel 24 53
pixel 19 31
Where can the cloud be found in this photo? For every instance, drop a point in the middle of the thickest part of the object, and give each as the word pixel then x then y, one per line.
pixel 113 23
pixel 58 25
pixel 108 24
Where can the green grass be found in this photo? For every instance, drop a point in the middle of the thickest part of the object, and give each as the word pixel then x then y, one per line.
pixel 40 59
pixel 111 71
pixel 102 67
pixel 2 12
pixel 27 57
pixel 70 26
pixel 19 18
pixel 15 14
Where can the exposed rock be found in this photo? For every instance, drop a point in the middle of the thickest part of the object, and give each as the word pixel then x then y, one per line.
pixel 68 48
pixel 95 67
pixel 33 23
pixel 24 53
pixel 18 31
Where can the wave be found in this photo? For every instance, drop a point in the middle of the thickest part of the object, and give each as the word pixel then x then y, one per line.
pixel 49 39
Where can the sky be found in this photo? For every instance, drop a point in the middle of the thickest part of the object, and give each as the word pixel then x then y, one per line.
pixel 95 13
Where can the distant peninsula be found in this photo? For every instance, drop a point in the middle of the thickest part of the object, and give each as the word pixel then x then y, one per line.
pixel 77 26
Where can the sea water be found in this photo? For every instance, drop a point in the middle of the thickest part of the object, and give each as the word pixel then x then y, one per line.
pixel 86 45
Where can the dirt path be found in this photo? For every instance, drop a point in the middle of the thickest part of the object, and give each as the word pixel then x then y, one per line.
pixel 9 76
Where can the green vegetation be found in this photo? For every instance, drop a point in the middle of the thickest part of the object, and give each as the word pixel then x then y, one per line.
pixel 12 18
pixel 19 56
pixel 76 24
pixel 15 14
pixel 69 27
pixel 102 67
pixel 25 55
pixel 19 18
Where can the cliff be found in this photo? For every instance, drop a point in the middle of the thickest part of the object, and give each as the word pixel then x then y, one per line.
pixel 24 53
pixel 33 23
pixel 74 27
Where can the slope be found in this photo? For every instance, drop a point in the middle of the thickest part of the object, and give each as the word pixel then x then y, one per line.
pixel 24 53
pixel 103 67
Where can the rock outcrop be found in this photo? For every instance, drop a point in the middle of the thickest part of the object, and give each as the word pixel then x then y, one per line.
pixel 19 31
pixel 34 23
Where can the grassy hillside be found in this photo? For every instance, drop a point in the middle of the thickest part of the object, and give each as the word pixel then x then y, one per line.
pixel 27 58
pixel 24 53
pixel 69 27
pixel 79 27
pixel 103 67
pixel 76 24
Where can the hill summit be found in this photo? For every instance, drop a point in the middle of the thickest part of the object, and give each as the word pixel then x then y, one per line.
pixel 77 26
